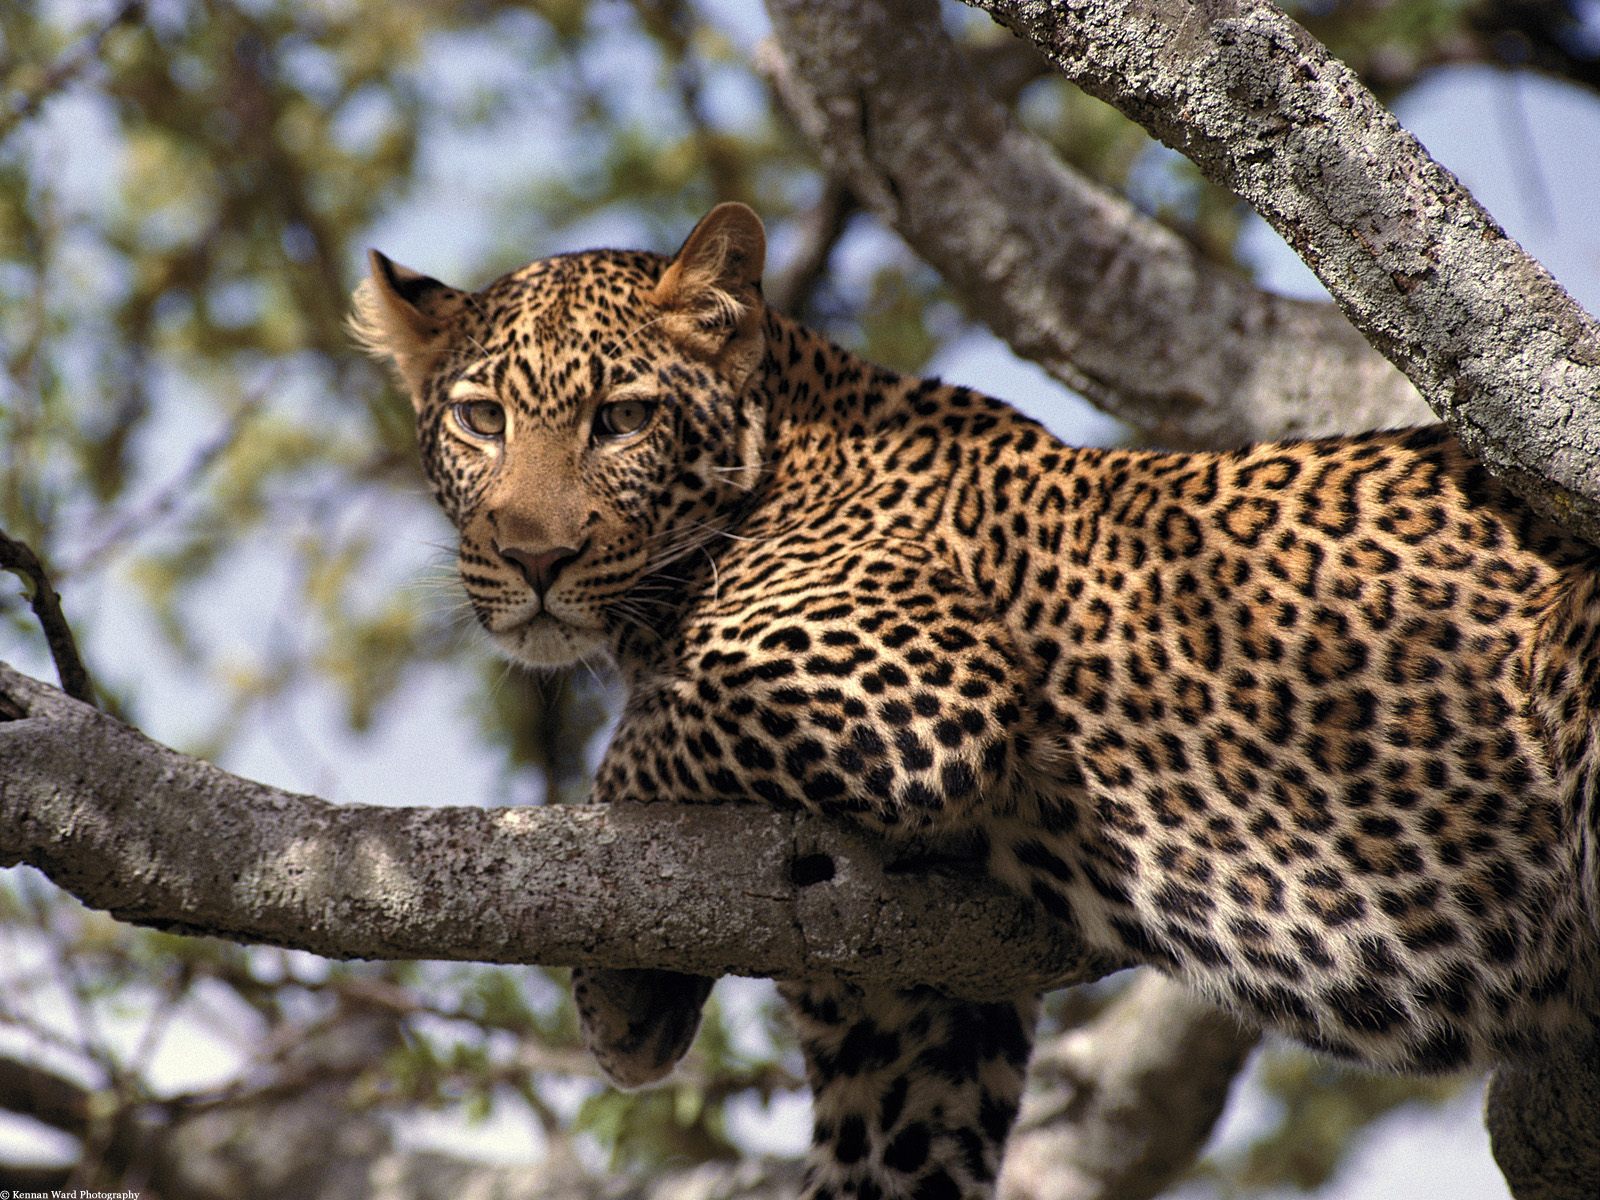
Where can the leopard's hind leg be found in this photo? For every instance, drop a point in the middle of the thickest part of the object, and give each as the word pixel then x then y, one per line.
pixel 913 1092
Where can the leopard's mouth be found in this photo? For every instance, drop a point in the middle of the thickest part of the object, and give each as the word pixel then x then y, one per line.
pixel 546 640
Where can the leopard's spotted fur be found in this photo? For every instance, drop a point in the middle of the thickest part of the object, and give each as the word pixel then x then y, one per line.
pixel 1310 725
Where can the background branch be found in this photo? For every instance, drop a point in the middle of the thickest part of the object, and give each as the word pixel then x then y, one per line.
pixel 1120 1107
pixel 33 1091
pixel 793 289
pixel 26 102
pixel 1109 301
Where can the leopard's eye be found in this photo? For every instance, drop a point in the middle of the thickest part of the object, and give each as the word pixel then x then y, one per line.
pixel 622 417
pixel 480 418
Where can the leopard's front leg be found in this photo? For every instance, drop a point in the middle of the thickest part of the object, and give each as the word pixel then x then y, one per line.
pixel 879 693
pixel 637 1023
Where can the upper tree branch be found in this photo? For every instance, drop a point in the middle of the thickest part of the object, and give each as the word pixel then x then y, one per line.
pixel 1111 302
pixel 157 838
pixel 1494 344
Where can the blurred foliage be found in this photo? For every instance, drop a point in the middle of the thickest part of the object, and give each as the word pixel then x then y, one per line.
pixel 1321 1108
pixel 228 498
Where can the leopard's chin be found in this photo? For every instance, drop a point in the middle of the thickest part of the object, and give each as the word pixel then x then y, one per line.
pixel 548 642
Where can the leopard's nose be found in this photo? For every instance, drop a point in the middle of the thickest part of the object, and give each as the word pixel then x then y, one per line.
pixel 539 567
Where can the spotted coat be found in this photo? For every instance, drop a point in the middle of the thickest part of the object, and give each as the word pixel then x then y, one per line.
pixel 1309 725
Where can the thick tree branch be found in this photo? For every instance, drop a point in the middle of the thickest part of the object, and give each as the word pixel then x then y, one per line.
pixel 1109 301
pixel 157 838
pixel 1494 344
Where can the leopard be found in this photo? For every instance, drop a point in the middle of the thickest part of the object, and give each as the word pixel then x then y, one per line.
pixel 1310 725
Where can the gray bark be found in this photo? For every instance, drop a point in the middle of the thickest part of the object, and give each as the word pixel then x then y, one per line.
pixel 156 838
pixel 1109 301
pixel 1493 343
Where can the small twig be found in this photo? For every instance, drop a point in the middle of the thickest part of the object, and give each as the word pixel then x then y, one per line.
pixel 18 557
pixel 51 1099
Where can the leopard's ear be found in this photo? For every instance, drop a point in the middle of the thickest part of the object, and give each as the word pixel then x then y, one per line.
pixel 712 290
pixel 404 316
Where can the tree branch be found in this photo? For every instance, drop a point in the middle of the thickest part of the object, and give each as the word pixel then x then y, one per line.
pixel 1544 1125
pixel 1494 344
pixel 1109 301
pixel 51 1099
pixel 793 289
pixel 116 820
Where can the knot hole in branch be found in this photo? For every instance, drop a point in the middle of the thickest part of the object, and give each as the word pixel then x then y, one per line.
pixel 809 869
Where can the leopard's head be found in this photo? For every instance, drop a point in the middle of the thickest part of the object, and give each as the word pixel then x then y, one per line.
pixel 583 420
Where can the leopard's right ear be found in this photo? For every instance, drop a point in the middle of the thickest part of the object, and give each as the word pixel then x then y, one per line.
pixel 404 316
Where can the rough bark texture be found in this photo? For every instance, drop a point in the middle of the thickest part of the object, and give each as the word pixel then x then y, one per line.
pixel 1494 344
pixel 157 838
pixel 1109 301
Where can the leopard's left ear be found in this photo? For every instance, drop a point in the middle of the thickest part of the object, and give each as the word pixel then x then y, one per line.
pixel 712 291
pixel 406 317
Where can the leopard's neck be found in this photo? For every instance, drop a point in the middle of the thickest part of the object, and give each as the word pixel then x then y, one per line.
pixel 884 450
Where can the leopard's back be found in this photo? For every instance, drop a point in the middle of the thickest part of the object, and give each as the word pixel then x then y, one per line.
pixel 1332 704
